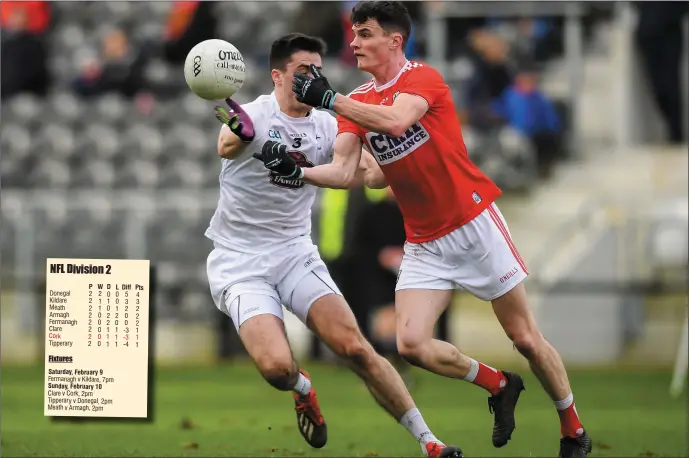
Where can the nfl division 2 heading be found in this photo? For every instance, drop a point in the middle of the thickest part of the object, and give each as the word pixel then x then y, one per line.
pixel 96 347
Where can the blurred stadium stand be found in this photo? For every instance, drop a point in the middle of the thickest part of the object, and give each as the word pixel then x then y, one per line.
pixel 133 173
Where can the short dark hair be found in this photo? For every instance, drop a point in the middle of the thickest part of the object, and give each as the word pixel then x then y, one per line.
pixel 392 16
pixel 282 49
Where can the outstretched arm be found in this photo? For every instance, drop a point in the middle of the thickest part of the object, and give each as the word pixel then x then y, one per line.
pixel 407 108
pixel 341 172
pixel 393 120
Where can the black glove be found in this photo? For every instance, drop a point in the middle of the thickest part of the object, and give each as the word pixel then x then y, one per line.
pixel 314 91
pixel 275 158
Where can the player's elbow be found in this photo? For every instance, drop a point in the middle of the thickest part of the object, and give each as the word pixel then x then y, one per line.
pixel 376 182
pixel 404 116
pixel 396 128
pixel 347 180
pixel 346 174
pixel 226 152
pixel 399 125
pixel 228 149
pixel 229 145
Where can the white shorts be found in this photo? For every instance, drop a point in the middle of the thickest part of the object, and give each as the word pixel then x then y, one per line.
pixel 245 285
pixel 479 257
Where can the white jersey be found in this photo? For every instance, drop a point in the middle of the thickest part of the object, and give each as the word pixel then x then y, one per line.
pixel 257 210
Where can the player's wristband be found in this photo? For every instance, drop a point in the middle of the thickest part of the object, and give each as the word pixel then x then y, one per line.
pixel 332 101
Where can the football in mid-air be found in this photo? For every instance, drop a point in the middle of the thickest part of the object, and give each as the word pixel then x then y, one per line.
pixel 214 70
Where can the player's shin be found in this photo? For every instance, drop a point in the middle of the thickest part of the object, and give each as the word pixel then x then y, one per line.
pixel 395 395
pixel 434 355
pixel 383 382
pixel 387 387
pixel 445 359
pixel 551 373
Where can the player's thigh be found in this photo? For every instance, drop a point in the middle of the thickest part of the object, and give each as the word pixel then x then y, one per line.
pixel 417 313
pixel 516 318
pixel 423 291
pixel 488 262
pixel 265 340
pixel 317 301
pixel 333 321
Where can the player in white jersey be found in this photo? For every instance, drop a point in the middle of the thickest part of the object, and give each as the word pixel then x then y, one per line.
pixel 264 258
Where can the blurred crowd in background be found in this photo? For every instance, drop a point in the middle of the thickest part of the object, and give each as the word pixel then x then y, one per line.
pixel 93 97
pixel 135 50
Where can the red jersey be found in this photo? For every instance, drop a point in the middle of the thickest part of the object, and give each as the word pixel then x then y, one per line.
pixel 437 187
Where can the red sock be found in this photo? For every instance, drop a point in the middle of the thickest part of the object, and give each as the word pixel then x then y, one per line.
pixel 570 425
pixel 488 378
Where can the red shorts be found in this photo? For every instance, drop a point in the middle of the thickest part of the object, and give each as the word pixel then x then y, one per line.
pixel 478 257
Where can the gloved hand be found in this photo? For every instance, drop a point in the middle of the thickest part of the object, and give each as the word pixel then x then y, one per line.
pixel 314 91
pixel 275 158
pixel 237 120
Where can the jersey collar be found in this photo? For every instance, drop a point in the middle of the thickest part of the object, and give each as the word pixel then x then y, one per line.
pixel 392 81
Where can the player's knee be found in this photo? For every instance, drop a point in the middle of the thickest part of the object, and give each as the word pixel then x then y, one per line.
pixel 526 342
pixel 355 350
pixel 410 347
pixel 278 372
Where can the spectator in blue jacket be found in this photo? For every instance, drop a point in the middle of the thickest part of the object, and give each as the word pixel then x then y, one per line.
pixel 524 107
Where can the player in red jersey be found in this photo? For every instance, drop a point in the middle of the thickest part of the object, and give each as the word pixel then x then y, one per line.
pixel 456 236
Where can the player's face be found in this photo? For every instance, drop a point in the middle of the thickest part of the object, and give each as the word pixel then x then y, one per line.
pixel 299 62
pixel 372 46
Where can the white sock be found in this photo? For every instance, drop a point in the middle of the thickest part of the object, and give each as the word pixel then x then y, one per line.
pixel 473 371
pixel 415 424
pixel 565 403
pixel 303 386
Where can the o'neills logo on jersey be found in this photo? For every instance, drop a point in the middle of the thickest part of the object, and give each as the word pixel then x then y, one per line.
pixel 301 161
pixel 388 149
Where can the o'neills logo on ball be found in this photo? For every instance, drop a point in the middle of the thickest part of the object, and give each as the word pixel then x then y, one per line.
pixel 230 55
pixel 301 161
pixel 388 149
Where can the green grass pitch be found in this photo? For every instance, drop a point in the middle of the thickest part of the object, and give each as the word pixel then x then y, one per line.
pixel 228 410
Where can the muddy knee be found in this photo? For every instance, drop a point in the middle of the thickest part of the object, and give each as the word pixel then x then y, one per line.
pixel 279 372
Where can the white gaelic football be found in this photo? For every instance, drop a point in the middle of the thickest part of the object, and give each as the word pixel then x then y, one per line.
pixel 214 70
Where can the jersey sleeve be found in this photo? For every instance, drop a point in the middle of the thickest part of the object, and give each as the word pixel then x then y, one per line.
pixel 425 82
pixel 345 125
